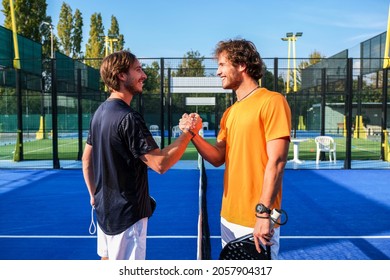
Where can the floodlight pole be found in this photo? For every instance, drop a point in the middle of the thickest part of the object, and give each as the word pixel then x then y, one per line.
pixel 386 58
pixel 51 42
pixel 108 40
pixel 111 40
pixel 291 38
pixel 288 65
pixel 54 105
pixel 106 45
pixel 41 133
pixel 295 64
pixel 297 34
pixel 15 35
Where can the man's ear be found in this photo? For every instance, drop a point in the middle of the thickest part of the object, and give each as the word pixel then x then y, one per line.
pixel 242 67
pixel 121 76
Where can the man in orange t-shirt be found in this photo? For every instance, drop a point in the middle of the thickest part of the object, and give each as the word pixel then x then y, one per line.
pixel 253 143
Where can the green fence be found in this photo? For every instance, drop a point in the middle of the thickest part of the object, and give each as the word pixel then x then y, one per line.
pixel 46 115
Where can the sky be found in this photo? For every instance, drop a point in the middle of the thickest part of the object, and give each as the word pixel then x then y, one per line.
pixel 171 28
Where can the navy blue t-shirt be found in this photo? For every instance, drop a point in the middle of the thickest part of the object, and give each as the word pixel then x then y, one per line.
pixel 118 136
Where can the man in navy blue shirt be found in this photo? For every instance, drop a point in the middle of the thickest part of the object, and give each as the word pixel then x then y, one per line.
pixel 118 151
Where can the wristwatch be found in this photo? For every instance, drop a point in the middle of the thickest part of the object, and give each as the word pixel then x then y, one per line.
pixel 261 208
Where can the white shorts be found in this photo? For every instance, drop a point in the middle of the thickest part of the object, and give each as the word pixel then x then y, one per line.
pixel 128 245
pixel 230 231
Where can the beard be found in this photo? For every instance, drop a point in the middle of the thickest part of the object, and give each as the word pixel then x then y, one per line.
pixel 231 85
pixel 130 86
pixel 232 81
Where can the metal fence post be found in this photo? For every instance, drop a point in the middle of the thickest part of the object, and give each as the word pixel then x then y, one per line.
pixel 18 153
pixel 79 115
pixel 384 112
pixel 323 107
pixel 56 162
pixel 162 103
pixel 276 74
pixel 169 104
pixel 348 111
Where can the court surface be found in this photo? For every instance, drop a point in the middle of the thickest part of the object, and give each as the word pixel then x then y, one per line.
pixel 333 214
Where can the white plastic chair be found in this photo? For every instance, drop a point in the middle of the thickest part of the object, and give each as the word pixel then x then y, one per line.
pixel 325 144
pixel 205 125
pixel 154 127
pixel 176 131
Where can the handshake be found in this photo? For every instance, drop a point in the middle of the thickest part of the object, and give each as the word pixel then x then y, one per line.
pixel 190 122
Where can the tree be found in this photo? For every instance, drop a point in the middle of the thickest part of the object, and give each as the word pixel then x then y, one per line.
pixel 30 15
pixel 113 32
pixel 191 65
pixel 268 81
pixel 314 58
pixel 152 83
pixel 70 31
pixel 64 29
pixel 77 35
pixel 95 46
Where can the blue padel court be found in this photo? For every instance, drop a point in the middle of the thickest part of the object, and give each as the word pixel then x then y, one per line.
pixel 333 215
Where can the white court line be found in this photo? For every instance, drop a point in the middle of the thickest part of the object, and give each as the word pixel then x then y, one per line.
pixel 94 236
pixel 338 237
pixel 47 148
pixel 194 237
pixel 45 236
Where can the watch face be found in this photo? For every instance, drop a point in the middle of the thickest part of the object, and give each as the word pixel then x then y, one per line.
pixel 260 208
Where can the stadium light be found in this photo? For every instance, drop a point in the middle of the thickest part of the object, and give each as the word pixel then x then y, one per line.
pixel 291 38
pixel 108 39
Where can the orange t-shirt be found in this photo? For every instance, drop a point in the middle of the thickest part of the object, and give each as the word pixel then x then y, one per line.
pixel 246 127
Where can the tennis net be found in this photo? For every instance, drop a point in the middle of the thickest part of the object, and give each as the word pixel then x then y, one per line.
pixel 204 246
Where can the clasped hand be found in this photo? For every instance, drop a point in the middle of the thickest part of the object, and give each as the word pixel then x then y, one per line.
pixel 191 122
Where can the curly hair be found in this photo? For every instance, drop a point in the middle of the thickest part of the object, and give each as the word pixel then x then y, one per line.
pixel 114 64
pixel 240 51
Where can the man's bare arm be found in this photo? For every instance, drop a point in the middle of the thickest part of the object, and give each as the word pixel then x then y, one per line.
pixel 88 172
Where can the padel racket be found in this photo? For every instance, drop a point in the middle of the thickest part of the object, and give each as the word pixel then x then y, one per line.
pixel 244 248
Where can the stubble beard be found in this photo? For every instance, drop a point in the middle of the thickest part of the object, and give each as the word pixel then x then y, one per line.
pixel 231 84
pixel 129 86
